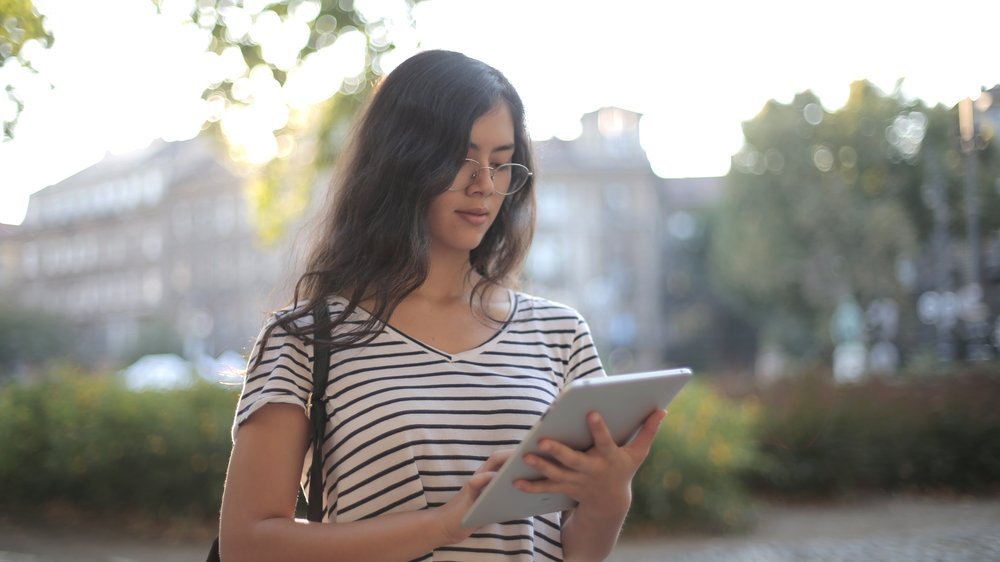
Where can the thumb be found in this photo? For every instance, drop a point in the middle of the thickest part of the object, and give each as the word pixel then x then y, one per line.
pixel 644 440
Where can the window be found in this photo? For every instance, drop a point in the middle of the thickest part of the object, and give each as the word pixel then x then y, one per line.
pixel 225 214
pixel 152 244
pixel 29 260
pixel 181 219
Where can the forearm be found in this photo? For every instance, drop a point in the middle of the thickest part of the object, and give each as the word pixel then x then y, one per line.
pixel 398 536
pixel 588 536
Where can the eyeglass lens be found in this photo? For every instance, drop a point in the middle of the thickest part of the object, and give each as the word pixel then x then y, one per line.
pixel 507 178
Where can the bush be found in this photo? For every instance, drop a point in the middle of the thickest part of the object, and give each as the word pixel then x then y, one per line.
pixel 694 472
pixel 916 434
pixel 90 442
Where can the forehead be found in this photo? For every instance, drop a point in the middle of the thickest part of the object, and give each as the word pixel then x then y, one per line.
pixel 494 130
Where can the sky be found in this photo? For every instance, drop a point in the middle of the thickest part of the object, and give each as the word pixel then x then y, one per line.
pixel 694 70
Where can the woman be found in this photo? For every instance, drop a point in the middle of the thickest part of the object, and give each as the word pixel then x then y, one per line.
pixel 438 366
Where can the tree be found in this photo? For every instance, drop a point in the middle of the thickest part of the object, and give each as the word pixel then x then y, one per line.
pixel 21 25
pixel 304 141
pixel 824 207
pixel 30 338
pixel 264 47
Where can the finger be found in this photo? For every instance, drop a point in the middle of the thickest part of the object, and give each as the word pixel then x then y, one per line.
pixel 644 440
pixel 548 469
pixel 567 456
pixel 543 487
pixel 496 460
pixel 478 481
pixel 603 440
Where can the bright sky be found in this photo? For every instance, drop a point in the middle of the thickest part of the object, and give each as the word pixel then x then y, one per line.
pixel 695 70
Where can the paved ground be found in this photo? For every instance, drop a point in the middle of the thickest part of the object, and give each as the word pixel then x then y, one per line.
pixel 877 530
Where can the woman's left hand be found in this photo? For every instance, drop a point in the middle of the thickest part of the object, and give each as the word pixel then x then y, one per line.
pixel 599 479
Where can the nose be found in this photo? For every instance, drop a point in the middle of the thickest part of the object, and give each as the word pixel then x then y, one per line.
pixel 482 183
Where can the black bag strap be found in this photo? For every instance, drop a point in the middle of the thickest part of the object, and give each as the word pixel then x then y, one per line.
pixel 317 408
pixel 317 416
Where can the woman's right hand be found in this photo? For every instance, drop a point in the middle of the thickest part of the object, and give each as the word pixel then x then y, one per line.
pixel 453 511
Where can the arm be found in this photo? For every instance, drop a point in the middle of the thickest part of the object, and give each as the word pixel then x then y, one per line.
pixel 600 480
pixel 258 504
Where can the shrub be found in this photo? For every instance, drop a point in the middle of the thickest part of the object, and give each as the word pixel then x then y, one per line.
pixel 90 442
pixel 694 472
pixel 916 434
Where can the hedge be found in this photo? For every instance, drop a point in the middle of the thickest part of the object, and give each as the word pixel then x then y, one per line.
pixel 918 434
pixel 694 473
pixel 90 442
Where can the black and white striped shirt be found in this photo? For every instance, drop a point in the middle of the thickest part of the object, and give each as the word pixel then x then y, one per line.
pixel 409 423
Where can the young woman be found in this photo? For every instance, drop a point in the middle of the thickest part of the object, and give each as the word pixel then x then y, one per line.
pixel 438 365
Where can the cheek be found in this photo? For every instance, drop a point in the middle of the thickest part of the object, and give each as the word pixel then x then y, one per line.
pixel 501 215
pixel 439 216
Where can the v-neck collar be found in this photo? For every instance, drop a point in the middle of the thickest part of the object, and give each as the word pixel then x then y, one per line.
pixel 461 355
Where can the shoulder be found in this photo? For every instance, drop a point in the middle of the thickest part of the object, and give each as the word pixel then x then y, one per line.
pixel 300 316
pixel 530 307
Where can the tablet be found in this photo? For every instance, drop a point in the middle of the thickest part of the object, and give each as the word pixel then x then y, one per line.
pixel 624 401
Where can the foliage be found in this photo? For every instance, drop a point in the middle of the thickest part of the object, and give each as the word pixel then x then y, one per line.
pixel 261 46
pixel 89 442
pixel 305 139
pixel 924 434
pixel 694 472
pixel 155 336
pixel 30 338
pixel 20 23
pixel 826 206
pixel 706 332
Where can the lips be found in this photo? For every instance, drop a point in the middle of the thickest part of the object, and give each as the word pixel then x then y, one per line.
pixel 476 216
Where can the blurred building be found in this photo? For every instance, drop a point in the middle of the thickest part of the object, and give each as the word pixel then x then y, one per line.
pixel 151 250
pixel 612 236
pixel 155 249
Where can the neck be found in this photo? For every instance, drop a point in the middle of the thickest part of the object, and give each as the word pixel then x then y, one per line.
pixel 449 278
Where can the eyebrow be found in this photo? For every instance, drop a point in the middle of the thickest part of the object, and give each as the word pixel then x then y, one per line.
pixel 502 148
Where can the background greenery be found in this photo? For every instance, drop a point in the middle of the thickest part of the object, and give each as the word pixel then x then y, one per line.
pixel 88 442
pixel 928 434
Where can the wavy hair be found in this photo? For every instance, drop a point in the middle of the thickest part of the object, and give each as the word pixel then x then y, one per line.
pixel 405 150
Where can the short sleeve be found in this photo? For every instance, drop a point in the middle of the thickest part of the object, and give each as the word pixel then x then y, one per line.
pixel 583 358
pixel 282 376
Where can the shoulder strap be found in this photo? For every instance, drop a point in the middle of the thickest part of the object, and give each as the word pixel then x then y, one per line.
pixel 317 408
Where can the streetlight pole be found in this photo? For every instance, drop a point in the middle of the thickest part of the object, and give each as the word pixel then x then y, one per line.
pixel 967 128
pixel 974 311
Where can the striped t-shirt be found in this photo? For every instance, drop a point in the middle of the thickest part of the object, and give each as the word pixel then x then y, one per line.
pixel 409 424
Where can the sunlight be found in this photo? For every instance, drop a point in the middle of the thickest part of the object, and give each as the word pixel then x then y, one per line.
pixel 679 142
pixel 118 86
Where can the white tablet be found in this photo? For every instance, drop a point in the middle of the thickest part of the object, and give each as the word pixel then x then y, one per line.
pixel 624 401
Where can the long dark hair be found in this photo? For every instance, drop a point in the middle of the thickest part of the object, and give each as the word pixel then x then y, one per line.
pixel 406 150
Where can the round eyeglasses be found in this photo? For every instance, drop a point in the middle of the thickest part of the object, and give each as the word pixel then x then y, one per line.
pixel 506 178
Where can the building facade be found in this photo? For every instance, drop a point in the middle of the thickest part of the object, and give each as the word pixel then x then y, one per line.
pixel 157 247
pixel 153 249
pixel 611 237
